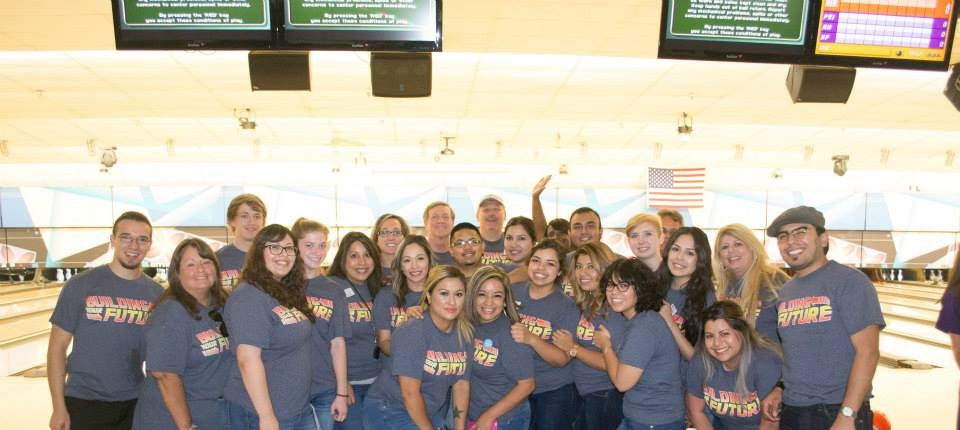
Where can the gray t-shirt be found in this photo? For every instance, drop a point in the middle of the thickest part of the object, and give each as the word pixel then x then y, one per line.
pixel 443 258
pixel 493 253
pixel 678 299
pixel 542 317
pixel 720 392
pixel 386 314
pixel 588 379
pixel 283 336
pixel 107 316
pixel 421 351
pixel 231 261
pixel 330 309
pixel 766 322
pixel 363 339
pixel 657 398
pixel 816 315
pixel 491 377
pixel 197 352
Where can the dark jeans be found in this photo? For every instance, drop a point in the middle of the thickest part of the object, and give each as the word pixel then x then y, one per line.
pixel 100 415
pixel 554 410
pixel 240 418
pixel 821 416
pixel 354 419
pixel 630 425
pixel 380 415
pixel 601 410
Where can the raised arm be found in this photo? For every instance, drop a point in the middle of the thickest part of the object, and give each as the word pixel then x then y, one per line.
pixel 539 219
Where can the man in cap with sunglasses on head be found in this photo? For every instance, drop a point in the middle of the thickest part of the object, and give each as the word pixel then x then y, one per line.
pixel 829 320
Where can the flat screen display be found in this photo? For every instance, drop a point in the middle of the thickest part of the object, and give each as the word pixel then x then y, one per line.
pixel 885 33
pixel 735 30
pixel 364 25
pixel 192 24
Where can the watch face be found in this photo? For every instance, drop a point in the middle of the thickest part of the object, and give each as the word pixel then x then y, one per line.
pixel 847 411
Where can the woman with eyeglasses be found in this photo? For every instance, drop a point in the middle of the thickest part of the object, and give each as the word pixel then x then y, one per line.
pixel 501 371
pixel 518 240
pixel 394 305
pixel 188 354
pixel 356 272
pixel 745 276
pixel 328 393
pixel 429 359
pixel 733 370
pixel 601 402
pixel 544 309
pixel 687 279
pixel 388 233
pixel 271 325
pixel 645 363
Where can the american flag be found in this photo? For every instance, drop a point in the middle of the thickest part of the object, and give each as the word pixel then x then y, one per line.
pixel 675 188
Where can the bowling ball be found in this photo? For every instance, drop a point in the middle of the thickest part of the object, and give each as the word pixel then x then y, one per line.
pixel 880 421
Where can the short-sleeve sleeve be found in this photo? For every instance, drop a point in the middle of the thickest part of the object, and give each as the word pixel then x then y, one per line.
pixel 340 324
pixel 768 368
pixel 695 374
pixel 168 345
pixel 409 350
pixel 858 304
pixel 69 307
pixel 520 359
pixel 638 346
pixel 248 317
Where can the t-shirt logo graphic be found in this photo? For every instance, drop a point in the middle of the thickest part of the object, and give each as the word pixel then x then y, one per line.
pixel 539 327
pixel 212 342
pixel 484 353
pixel 322 307
pixel 289 316
pixel 730 404
pixel 585 329
pixel 804 310
pixel 228 278
pixel 397 316
pixel 442 363
pixel 120 310
pixel 359 313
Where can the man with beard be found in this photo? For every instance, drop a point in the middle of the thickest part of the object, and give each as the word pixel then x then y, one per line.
pixel 466 245
pixel 104 312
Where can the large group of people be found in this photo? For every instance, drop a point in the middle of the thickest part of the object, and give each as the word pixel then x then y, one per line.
pixel 509 324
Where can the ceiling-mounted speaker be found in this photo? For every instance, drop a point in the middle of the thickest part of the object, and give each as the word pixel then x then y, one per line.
pixel 820 84
pixel 952 91
pixel 279 70
pixel 401 74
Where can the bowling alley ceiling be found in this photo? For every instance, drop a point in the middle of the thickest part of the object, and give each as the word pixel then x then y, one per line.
pixel 519 83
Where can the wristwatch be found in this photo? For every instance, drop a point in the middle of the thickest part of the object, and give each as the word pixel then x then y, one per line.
pixel 573 351
pixel 846 411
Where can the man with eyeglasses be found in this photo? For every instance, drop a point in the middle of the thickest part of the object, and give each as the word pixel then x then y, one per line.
pixel 467 248
pixel 829 321
pixel 103 311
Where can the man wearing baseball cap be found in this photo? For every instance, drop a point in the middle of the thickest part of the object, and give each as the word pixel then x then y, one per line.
pixel 491 214
pixel 829 321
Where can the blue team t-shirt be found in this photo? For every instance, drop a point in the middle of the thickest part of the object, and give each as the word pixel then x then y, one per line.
pixel 363 339
pixel 587 379
pixel 498 362
pixel 330 309
pixel 553 312
pixel 816 315
pixel 197 352
pixel 107 316
pixel 493 253
pixel 231 261
pixel 657 397
pixel 283 335
pixel 421 351
pixel 720 392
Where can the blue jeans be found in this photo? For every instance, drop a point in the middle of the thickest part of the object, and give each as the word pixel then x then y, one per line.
pixel 517 419
pixel 821 416
pixel 554 410
pixel 321 405
pixel 354 419
pixel 240 418
pixel 627 424
pixel 601 410
pixel 381 415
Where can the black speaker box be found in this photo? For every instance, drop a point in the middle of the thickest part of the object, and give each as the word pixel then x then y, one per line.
pixel 952 91
pixel 279 70
pixel 820 84
pixel 396 74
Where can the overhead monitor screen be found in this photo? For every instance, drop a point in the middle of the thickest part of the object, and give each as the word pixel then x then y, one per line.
pixel 733 27
pixel 406 25
pixel 169 24
pixel 886 31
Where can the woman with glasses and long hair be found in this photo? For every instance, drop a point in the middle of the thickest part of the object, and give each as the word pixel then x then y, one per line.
pixel 188 357
pixel 518 240
pixel 601 405
pixel 271 325
pixel 328 392
pixel 733 370
pixel 356 272
pixel 501 371
pixel 388 233
pixel 949 319
pixel 544 309
pixel 745 276
pixel 645 363
pixel 687 279
pixel 429 359
pixel 392 305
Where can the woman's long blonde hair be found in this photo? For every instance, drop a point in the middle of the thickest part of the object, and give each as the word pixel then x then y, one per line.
pixel 761 274
pixel 590 302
